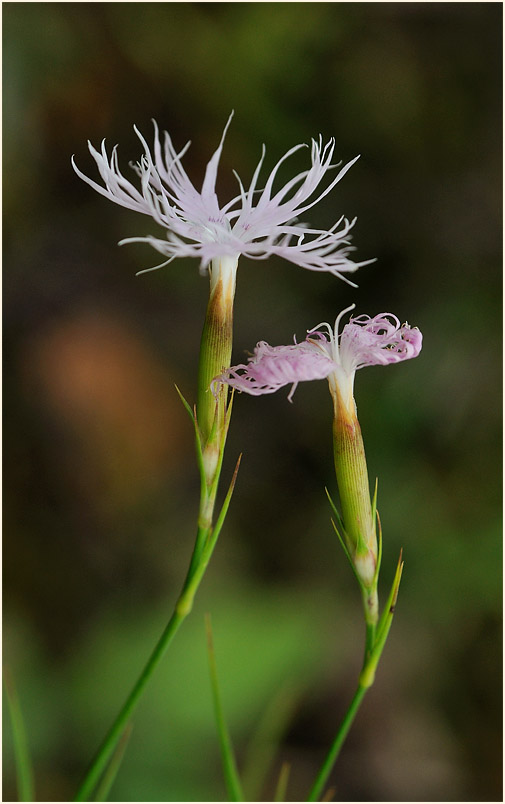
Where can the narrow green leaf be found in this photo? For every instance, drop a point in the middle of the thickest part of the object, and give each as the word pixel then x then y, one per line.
pixel 222 444
pixel 389 607
pixel 346 551
pixel 229 764
pixel 186 405
pixel 229 410
pixel 333 506
pixel 343 538
pixel 24 773
pixel 379 546
pixel 282 782
pixel 110 774
pixel 199 450
pixel 226 504
pixel 368 673
pixel 267 737
pixel 374 499
pixel 340 531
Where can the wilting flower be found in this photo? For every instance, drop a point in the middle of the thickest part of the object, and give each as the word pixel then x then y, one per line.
pixel 364 341
pixel 257 222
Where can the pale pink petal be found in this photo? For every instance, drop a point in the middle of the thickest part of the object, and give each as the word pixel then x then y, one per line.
pixel 256 223
pixel 272 367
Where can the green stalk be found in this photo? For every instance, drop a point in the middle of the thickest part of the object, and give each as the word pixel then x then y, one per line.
pixel 107 747
pixel 356 530
pixel 322 776
pixel 375 640
pixel 211 420
pixel 182 609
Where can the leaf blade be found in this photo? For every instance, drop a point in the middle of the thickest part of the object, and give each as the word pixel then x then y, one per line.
pixel 24 772
pixel 232 778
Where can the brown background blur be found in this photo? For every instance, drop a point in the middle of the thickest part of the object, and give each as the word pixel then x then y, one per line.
pixel 100 483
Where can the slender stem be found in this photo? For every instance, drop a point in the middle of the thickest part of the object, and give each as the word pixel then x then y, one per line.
pixel 376 636
pixel 182 609
pixel 211 425
pixel 369 643
pixel 334 751
pixel 104 752
pixel 204 547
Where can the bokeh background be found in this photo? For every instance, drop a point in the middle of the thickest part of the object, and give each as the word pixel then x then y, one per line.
pixel 100 482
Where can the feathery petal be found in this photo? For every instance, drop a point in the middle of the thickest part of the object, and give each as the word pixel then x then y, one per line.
pixel 272 367
pixel 257 223
pixel 364 341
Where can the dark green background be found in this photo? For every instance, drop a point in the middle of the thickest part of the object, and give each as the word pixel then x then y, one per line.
pixel 100 484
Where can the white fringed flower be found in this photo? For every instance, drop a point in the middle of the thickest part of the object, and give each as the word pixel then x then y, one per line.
pixel 256 223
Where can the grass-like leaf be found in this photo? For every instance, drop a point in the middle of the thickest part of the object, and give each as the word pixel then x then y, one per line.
pixel 267 738
pixel 24 773
pixel 386 618
pixel 226 503
pixel 282 782
pixel 383 626
pixel 109 777
pixel 231 776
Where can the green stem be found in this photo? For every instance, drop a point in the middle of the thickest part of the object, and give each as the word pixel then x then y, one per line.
pixel 334 751
pixel 106 749
pixel 182 609
pixel 204 547
pixel 211 421
pixel 376 636
pixel 369 642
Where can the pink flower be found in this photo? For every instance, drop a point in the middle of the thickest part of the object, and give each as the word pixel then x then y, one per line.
pixel 364 341
pixel 272 367
pixel 256 223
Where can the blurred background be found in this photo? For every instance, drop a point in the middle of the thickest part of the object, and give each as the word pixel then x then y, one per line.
pixel 100 480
